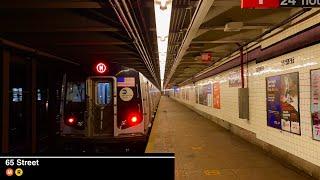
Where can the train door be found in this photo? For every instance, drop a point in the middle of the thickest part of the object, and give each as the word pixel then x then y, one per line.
pixel 102 100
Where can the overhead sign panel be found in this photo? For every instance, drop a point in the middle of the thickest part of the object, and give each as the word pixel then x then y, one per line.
pixel 259 4
pixel 269 4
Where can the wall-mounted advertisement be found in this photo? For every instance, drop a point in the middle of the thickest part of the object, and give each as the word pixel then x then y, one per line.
pixel 216 95
pixel 315 108
pixel 283 102
pixel 273 102
pixel 235 79
pixel 290 102
pixel 205 95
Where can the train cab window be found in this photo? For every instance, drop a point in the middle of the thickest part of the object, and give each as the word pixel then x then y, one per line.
pixel 75 92
pixel 39 95
pixel 16 94
pixel 103 95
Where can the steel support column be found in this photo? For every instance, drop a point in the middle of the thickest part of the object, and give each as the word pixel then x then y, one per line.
pixel 33 106
pixel 241 65
pixel 52 112
pixel 5 100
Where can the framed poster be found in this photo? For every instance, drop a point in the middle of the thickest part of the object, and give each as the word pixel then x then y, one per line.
pixel 273 102
pixel 315 108
pixel 205 95
pixel 289 98
pixel 216 95
pixel 283 102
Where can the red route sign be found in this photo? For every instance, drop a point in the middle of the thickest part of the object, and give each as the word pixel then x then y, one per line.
pixel 9 172
pixel 260 4
pixel 101 68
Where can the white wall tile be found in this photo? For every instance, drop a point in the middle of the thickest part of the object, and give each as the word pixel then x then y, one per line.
pixel 302 145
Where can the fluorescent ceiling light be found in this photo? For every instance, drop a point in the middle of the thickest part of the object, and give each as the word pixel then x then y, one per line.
pixel 162 9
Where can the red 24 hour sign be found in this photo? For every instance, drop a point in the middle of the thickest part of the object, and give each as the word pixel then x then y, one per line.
pixel 260 4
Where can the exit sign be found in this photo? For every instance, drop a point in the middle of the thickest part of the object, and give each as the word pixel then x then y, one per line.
pixel 260 4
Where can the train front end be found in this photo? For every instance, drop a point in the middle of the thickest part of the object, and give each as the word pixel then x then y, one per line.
pixel 103 114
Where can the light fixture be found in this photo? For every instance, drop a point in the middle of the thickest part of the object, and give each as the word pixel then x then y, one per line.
pixel 162 10
pixel 163 4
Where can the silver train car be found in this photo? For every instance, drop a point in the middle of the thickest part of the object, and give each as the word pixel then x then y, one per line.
pixel 107 113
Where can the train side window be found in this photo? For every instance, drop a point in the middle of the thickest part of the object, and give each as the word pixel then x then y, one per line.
pixel 75 92
pixel 17 94
pixel 103 95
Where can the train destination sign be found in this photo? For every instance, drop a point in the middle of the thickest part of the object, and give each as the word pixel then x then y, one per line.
pixel 268 4
pixel 101 68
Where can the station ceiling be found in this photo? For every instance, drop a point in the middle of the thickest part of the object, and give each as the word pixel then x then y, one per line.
pixel 83 31
pixel 222 29
pixel 86 31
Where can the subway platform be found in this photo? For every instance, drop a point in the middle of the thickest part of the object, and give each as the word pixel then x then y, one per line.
pixel 204 150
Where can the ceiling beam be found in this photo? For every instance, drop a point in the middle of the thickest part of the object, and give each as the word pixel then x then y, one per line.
pixel 226 3
pixel 194 63
pixel 128 60
pixel 50 4
pixel 180 77
pixel 213 12
pixel 193 51
pixel 113 52
pixel 218 42
pixel 221 28
pixel 193 3
pixel 57 29
pixel 93 43
pixel 201 11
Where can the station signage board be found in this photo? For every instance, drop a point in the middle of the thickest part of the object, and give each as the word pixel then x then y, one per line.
pixel 271 4
pixel 206 56
pixel 259 4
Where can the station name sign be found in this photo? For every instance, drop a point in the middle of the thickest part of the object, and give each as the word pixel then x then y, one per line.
pixel 268 4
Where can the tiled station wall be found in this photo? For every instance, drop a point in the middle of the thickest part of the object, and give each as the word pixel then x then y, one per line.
pixel 306 59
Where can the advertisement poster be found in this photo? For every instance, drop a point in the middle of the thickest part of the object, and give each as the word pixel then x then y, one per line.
pixel 289 98
pixel 235 79
pixel 205 95
pixel 315 108
pixel 273 102
pixel 216 95
pixel 283 102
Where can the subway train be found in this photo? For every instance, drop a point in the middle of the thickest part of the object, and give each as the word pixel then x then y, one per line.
pixel 108 111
